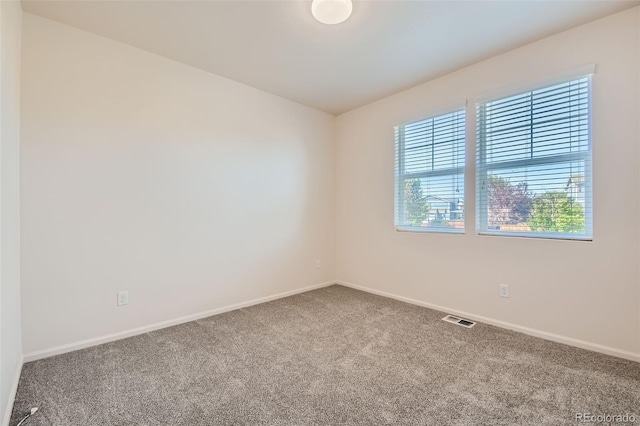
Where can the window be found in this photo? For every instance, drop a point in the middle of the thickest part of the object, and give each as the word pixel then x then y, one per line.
pixel 534 163
pixel 430 174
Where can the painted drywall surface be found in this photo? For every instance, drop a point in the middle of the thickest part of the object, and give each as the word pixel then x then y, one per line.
pixel 10 337
pixel 638 36
pixel 583 290
pixel 188 190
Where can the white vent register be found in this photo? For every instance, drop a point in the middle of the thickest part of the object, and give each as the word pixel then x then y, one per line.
pixel 459 321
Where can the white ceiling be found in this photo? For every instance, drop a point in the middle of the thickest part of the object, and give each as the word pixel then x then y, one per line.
pixel 277 46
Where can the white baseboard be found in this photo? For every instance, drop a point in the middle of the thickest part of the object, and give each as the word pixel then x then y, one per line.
pixel 57 350
pixel 12 395
pixel 33 356
pixel 502 324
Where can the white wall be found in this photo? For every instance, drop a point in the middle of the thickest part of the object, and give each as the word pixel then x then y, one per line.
pixel 191 191
pixel 10 337
pixel 120 145
pixel 589 291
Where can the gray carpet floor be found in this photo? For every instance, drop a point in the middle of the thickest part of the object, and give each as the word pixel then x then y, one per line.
pixel 327 357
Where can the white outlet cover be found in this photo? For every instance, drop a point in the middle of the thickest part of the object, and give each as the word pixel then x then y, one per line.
pixel 504 290
pixel 123 298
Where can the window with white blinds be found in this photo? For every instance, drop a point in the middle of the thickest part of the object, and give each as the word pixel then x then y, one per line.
pixel 534 163
pixel 429 178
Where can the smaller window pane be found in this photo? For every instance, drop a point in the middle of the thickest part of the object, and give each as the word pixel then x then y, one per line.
pixel 430 157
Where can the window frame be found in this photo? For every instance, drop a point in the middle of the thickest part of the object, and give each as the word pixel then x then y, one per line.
pixel 400 177
pixel 483 168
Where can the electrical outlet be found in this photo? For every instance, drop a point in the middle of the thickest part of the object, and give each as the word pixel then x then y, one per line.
pixel 318 264
pixel 123 298
pixel 504 290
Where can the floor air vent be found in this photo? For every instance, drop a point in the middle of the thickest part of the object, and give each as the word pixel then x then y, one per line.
pixel 459 321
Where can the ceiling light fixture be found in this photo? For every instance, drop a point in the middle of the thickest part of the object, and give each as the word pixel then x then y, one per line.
pixel 331 11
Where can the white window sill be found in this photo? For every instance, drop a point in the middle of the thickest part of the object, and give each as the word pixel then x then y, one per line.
pixel 428 230
pixel 544 236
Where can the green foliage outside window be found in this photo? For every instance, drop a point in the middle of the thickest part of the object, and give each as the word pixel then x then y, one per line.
pixel 556 212
pixel 416 207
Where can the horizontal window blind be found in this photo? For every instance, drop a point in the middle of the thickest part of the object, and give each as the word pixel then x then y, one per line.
pixel 430 157
pixel 534 163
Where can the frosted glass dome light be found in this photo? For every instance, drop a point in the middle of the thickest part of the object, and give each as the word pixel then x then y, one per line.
pixel 331 11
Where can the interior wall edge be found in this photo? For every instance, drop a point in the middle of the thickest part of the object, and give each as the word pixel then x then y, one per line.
pixel 10 317
pixel 595 347
pixel 12 394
